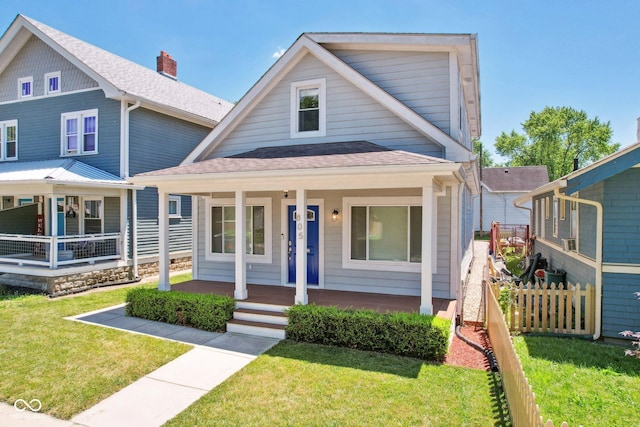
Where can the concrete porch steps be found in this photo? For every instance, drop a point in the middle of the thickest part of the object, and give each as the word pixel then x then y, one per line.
pixel 263 320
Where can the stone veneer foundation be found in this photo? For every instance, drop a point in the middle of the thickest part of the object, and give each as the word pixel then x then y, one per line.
pixel 72 283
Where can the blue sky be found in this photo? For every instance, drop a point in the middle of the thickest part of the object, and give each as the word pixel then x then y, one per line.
pixel 532 53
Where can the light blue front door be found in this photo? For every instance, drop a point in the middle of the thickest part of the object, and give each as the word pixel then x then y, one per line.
pixel 313 244
pixel 60 213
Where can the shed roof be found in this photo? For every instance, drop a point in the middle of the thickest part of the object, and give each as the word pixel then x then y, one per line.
pixel 58 171
pixel 514 179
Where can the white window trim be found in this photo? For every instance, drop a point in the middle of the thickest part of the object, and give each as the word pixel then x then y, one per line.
pixel 178 200
pixel 46 82
pixel 22 80
pixel 543 219
pixel 83 218
pixel 80 115
pixel 347 262
pixel 251 258
pixel 321 84
pixel 3 140
pixel 555 216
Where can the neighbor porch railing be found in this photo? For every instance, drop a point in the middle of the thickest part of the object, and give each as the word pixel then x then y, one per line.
pixel 520 397
pixel 55 251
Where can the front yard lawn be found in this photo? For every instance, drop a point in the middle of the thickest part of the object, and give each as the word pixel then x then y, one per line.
pixel 310 384
pixel 581 382
pixel 71 366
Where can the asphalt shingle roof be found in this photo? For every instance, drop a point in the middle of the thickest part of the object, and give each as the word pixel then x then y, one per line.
pixel 136 80
pixel 522 178
pixel 305 156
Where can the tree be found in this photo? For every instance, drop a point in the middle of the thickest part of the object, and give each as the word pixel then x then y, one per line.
pixel 483 153
pixel 554 137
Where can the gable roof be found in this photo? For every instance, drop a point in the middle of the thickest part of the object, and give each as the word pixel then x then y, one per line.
pixel 119 78
pixel 309 43
pixel 60 172
pixel 514 179
pixel 297 157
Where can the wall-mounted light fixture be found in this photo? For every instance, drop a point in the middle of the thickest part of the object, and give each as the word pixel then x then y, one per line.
pixel 334 215
pixel 286 194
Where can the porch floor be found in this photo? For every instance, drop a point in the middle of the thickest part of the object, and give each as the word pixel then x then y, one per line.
pixel 284 295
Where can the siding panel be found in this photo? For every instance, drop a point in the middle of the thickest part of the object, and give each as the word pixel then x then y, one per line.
pixel 351 115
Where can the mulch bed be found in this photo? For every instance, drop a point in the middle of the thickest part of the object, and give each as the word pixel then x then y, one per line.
pixel 462 354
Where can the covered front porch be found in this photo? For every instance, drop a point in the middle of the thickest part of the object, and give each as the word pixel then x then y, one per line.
pixel 285 296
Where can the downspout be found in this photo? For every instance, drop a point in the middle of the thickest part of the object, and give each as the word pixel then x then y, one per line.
pixel 599 217
pixel 124 172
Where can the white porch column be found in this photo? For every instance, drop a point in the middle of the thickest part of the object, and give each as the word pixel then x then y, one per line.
pixel 241 246
pixel 163 250
pixel 301 247
pixel 134 231
pixel 426 288
pixel 53 250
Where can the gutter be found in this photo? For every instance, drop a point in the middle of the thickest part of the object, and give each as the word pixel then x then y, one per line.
pixel 599 217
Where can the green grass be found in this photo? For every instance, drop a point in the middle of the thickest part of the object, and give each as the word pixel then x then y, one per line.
pixel 312 385
pixel 71 366
pixel 581 382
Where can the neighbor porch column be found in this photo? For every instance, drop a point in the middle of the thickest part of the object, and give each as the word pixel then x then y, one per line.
pixel 301 247
pixel 53 250
pixel 426 272
pixel 241 246
pixel 163 236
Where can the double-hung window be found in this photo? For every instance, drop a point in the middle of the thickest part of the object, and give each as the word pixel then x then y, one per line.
pixel 25 87
pixel 221 230
pixel 383 233
pixel 79 133
pixel 308 108
pixel 93 216
pixel 9 140
pixel 52 83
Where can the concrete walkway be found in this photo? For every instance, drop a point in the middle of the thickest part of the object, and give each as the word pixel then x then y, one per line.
pixel 165 392
pixel 472 292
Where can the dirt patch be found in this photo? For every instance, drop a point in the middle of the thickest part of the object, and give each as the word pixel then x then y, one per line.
pixel 462 354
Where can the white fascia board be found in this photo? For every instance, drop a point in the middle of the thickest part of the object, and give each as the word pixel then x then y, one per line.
pixel 325 178
pixel 12 42
pixel 259 90
pixel 304 45
pixel 386 41
pixel 547 188
pixel 109 89
pixel 165 109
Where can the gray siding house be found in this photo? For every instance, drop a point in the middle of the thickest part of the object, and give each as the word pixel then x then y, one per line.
pixel 75 122
pixel 347 166
pixel 500 187
pixel 586 223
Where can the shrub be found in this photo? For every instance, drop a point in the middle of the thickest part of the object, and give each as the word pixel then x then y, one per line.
pixel 203 311
pixel 404 334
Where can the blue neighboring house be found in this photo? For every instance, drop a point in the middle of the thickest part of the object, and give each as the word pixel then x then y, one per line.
pixel 586 223
pixel 75 122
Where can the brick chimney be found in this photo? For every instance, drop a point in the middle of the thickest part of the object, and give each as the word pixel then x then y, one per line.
pixel 167 66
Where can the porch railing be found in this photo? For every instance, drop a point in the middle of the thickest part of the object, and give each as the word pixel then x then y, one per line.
pixel 55 251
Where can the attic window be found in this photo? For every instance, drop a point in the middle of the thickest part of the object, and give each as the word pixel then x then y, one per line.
pixel 52 83
pixel 308 108
pixel 25 87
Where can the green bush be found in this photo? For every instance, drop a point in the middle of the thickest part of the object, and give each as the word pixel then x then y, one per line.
pixel 404 334
pixel 203 311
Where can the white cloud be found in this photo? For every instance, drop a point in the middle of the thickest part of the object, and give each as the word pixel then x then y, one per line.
pixel 278 53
